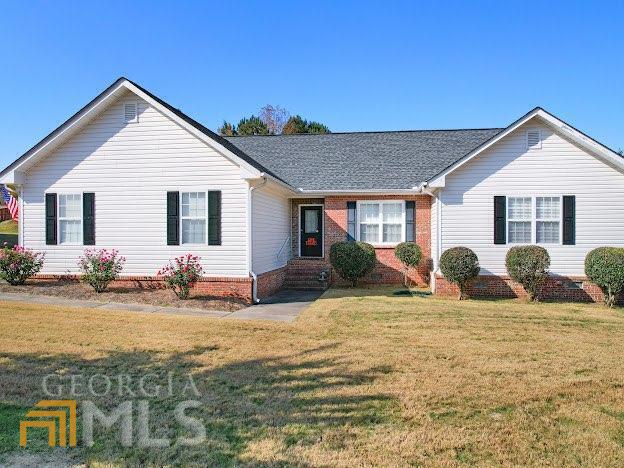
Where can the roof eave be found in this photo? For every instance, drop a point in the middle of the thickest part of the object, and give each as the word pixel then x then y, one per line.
pixel 342 192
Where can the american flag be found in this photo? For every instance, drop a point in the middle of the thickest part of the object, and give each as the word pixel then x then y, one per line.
pixel 10 201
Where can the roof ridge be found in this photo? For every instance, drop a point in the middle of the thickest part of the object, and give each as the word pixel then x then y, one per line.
pixel 368 132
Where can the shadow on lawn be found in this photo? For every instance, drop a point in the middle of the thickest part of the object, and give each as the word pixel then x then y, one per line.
pixel 279 401
pixel 376 291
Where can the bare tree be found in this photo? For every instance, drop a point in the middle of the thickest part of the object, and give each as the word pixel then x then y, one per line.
pixel 274 117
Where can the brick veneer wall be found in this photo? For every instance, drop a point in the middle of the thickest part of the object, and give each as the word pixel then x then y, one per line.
pixel 556 288
pixel 238 288
pixel 270 282
pixel 388 269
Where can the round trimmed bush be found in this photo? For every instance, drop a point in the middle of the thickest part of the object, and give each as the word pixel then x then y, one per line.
pixel 352 260
pixel 459 265
pixel 528 265
pixel 604 266
pixel 410 255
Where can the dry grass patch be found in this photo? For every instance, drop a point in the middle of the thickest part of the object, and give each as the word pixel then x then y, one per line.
pixel 362 378
pixel 73 289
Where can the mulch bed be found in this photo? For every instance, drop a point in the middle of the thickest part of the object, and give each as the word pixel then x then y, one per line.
pixel 156 297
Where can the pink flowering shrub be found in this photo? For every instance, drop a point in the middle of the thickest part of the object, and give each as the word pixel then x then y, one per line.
pixel 181 273
pixel 100 267
pixel 17 264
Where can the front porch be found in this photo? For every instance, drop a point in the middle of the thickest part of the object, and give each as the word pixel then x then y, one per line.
pixel 310 249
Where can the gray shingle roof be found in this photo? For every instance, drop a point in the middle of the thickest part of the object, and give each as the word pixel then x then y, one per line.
pixel 361 161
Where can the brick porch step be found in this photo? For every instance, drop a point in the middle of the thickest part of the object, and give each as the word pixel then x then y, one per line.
pixel 305 274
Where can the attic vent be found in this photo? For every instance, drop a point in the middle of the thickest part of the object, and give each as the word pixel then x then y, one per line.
pixel 534 140
pixel 130 112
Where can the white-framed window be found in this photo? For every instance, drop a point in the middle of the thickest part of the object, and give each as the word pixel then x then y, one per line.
pixel 519 220
pixel 70 218
pixel 548 220
pixel 534 220
pixel 381 222
pixel 194 217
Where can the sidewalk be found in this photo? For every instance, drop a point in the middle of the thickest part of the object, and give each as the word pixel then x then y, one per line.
pixel 285 306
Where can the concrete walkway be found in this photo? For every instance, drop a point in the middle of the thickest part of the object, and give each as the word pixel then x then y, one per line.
pixel 285 306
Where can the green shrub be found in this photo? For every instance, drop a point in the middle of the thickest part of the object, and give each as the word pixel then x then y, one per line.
pixel 352 260
pixel 528 265
pixel 459 265
pixel 17 264
pixel 410 255
pixel 604 266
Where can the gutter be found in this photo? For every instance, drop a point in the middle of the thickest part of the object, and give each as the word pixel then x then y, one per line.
pixel 363 191
pixel 254 287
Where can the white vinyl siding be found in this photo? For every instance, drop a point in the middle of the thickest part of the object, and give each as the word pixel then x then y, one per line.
pixel 271 221
pixel 130 168
pixel 558 168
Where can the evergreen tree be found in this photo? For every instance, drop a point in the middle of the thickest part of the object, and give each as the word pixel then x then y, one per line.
pixel 252 126
pixel 298 124
pixel 295 124
pixel 273 120
pixel 317 127
pixel 227 129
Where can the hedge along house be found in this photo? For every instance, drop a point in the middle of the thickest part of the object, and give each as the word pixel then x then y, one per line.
pixel 131 172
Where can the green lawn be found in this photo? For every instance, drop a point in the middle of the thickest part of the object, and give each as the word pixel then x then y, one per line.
pixel 363 377
pixel 8 227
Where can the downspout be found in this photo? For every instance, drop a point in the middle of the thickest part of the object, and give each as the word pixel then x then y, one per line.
pixel 254 277
pixel 436 195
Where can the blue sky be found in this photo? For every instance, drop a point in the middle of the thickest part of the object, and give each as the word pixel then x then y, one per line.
pixel 351 65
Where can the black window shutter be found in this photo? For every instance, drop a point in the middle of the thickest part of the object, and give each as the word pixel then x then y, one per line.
pixel 88 218
pixel 500 220
pixel 410 214
pixel 214 217
pixel 50 207
pixel 569 220
pixel 173 218
pixel 351 221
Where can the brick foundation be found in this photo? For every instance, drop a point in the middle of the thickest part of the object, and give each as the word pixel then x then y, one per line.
pixel 270 282
pixel 232 287
pixel 557 288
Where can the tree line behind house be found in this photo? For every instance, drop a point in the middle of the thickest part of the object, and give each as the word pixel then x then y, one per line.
pixel 272 120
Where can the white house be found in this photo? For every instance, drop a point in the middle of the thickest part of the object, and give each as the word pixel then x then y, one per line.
pixel 129 171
